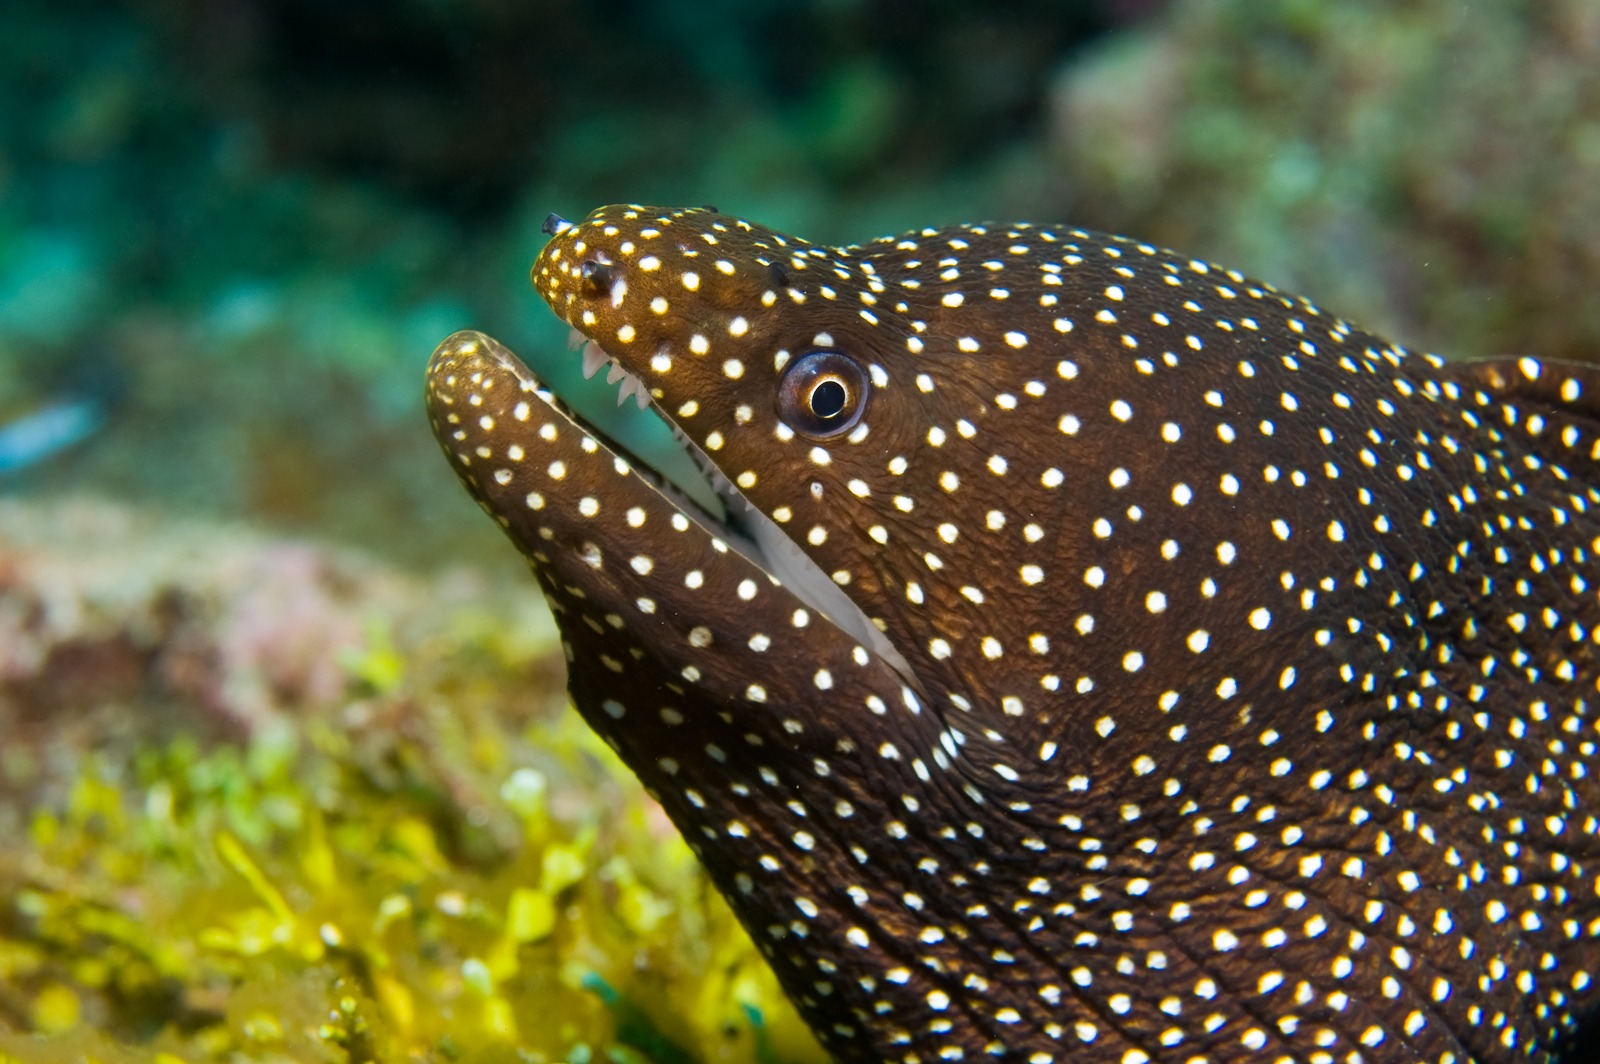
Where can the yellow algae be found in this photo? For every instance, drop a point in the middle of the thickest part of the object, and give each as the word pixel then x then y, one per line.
pixel 45 828
pixel 530 916
pixel 376 663
pixel 229 850
pixel 399 1007
pixel 389 895
pixel 263 1027
pixel 524 791
pixel 394 907
pixel 475 973
pixel 316 856
pixel 500 1018
pixel 57 1008
pixel 415 838
pixel 561 866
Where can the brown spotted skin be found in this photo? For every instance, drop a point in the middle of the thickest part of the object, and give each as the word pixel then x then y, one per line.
pixel 1245 697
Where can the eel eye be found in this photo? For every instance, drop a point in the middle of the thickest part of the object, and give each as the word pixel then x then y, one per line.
pixel 823 393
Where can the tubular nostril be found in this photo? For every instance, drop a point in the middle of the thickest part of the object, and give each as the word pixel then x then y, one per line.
pixel 596 277
pixel 555 225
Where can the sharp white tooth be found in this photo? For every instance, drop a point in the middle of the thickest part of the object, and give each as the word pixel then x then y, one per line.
pixel 631 387
pixel 575 339
pixel 593 359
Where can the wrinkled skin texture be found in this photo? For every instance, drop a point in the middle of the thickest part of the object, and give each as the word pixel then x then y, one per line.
pixel 1204 678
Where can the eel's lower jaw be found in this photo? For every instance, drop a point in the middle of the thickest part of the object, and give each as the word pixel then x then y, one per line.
pixel 742 524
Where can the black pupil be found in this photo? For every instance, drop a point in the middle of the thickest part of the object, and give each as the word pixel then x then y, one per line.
pixel 828 398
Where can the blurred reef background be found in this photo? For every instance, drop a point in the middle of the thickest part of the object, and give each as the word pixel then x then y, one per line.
pixel 285 767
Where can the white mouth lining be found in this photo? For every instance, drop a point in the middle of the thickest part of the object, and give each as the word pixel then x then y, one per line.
pixel 746 527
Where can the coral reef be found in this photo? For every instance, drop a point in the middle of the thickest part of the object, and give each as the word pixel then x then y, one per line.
pixel 261 800
pixel 1432 170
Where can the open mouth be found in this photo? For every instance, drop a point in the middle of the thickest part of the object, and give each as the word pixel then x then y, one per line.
pixel 709 498
pixel 695 481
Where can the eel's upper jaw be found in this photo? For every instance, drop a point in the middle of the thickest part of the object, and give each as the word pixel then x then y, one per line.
pixel 745 528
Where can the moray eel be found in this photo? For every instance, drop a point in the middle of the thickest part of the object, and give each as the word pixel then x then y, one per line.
pixel 1096 655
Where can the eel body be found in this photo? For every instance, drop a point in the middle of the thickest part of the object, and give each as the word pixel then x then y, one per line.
pixel 1096 655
